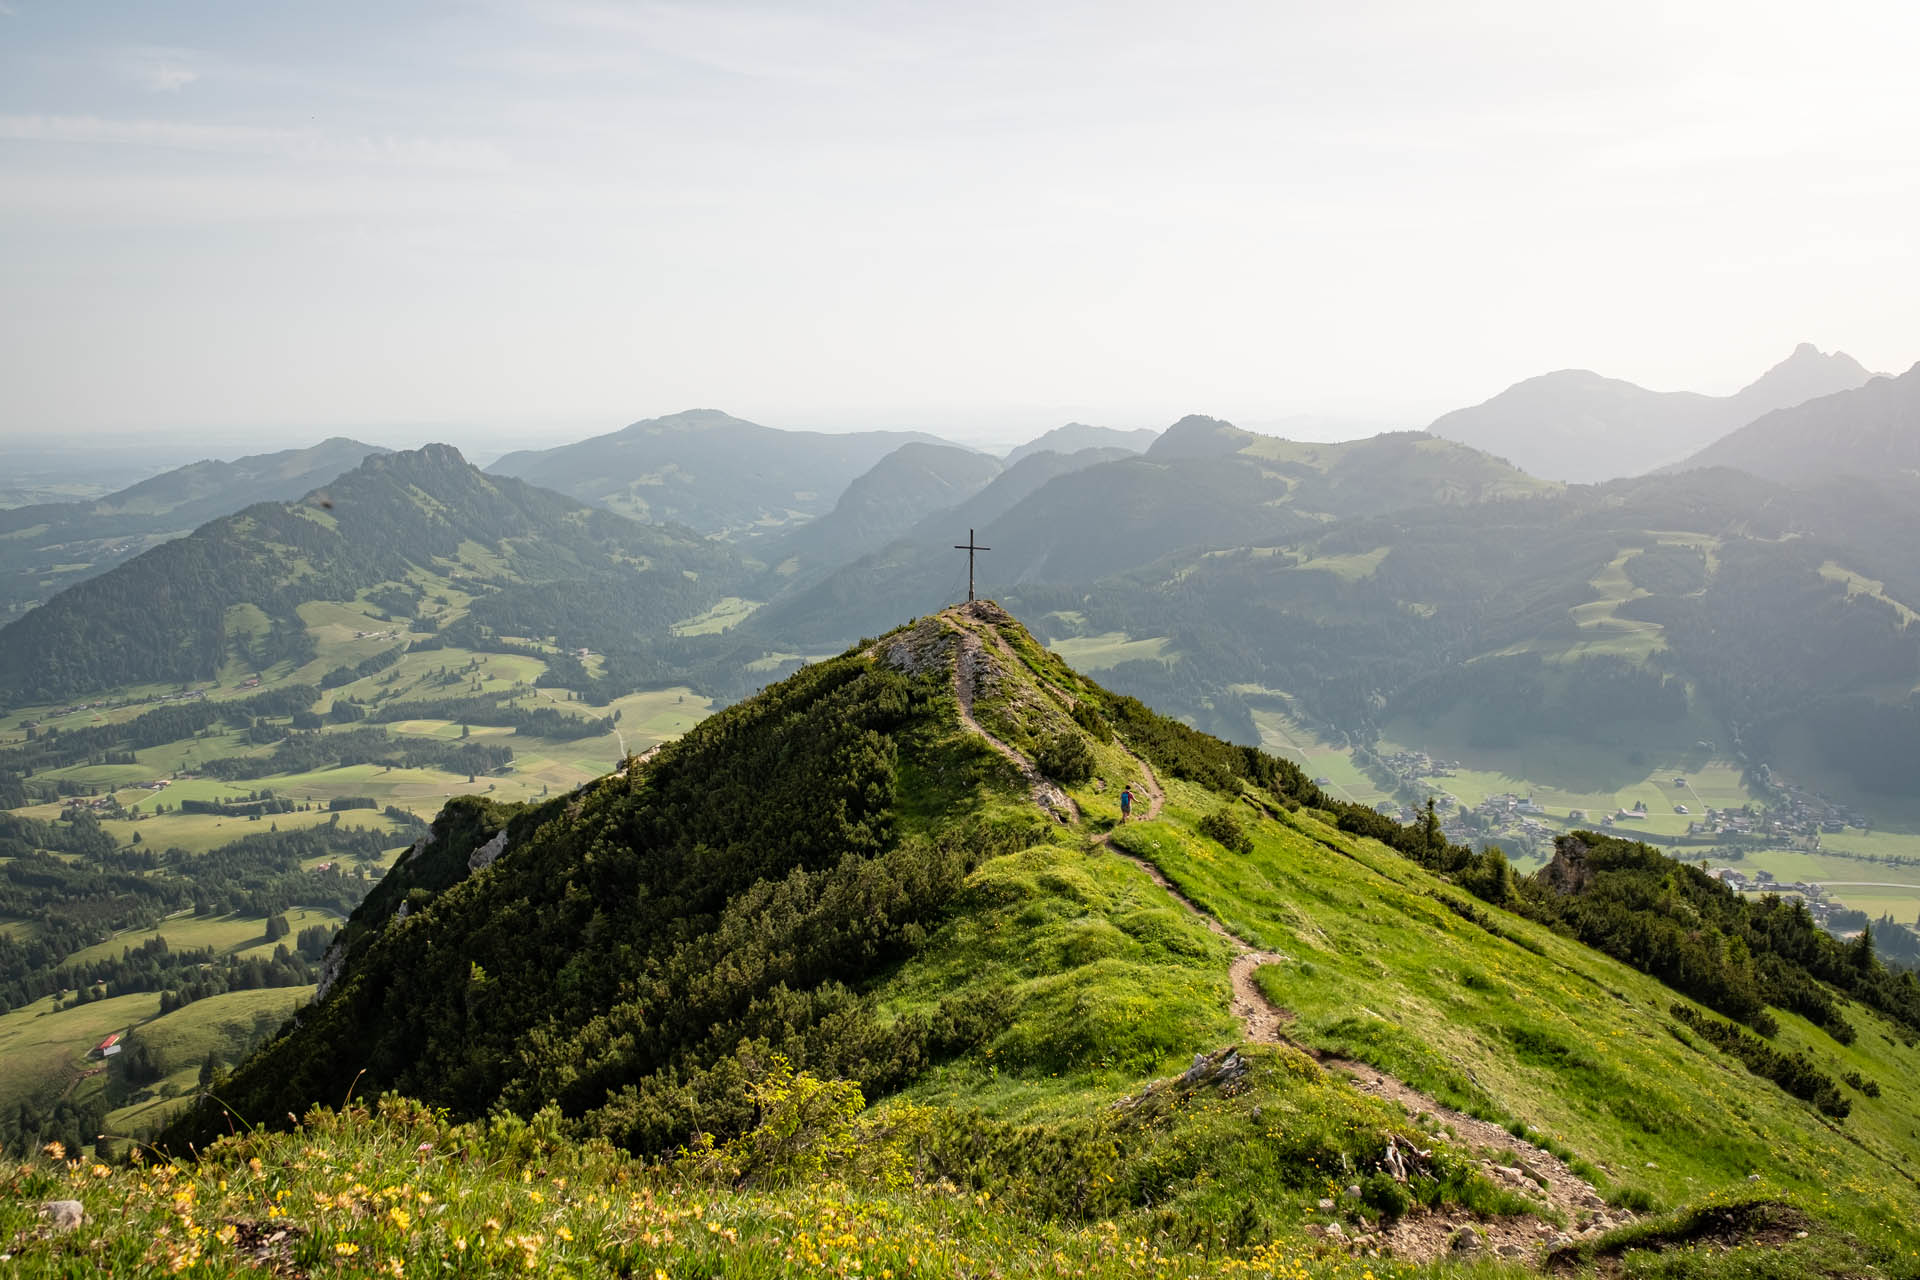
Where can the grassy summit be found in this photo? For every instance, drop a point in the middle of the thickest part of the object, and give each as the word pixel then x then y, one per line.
pixel 865 976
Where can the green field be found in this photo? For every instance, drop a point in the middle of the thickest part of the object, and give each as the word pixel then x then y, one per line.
pixel 228 935
pixel 224 1025
pixel 1284 736
pixel 727 613
pixel 42 1048
pixel 1901 900
pixel 1351 567
pixel 1110 649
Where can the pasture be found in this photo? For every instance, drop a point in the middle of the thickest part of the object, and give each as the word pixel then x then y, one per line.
pixel 227 935
pixel 727 613
pixel 1110 649
pixel 41 1047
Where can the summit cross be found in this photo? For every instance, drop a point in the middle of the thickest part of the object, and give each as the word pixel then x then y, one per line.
pixel 969 548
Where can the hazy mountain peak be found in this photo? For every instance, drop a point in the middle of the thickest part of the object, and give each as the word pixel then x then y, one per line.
pixel 1199 436
pixel 1580 426
pixel 1868 430
pixel 1805 375
pixel 1075 436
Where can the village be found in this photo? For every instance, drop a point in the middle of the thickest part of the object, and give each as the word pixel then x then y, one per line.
pixel 1797 817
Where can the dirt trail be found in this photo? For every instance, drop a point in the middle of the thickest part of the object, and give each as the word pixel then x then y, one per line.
pixel 1513 1163
pixel 968 673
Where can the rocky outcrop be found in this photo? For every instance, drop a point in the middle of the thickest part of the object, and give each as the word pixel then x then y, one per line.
pixel 1569 871
pixel 332 965
pixel 486 854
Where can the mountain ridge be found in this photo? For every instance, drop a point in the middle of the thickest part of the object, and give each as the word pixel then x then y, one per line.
pixel 706 469
pixel 1867 431
pixel 40 543
pixel 970 932
pixel 164 616
pixel 1578 426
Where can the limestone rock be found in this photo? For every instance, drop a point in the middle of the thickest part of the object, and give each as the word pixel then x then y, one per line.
pixel 65 1215
pixel 485 855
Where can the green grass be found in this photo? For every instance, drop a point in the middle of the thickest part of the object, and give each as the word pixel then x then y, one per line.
pixel 1110 980
pixel 1902 903
pixel 45 1050
pixel 234 934
pixel 1859 584
pixel 358 1194
pixel 727 613
pixel 1284 736
pixel 1349 568
pixel 1520 1025
pixel 225 1026
pixel 1110 649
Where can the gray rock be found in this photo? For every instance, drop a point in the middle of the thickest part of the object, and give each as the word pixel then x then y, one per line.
pixel 332 965
pixel 1326 1206
pixel 1354 1190
pixel 1467 1240
pixel 485 855
pixel 1511 1251
pixel 65 1215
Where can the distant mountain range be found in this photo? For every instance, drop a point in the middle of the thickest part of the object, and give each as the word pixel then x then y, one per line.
pixel 1075 519
pixel 1579 427
pixel 1076 436
pixel 48 546
pixel 412 523
pixel 879 506
pixel 1872 430
pixel 1392 578
pixel 713 472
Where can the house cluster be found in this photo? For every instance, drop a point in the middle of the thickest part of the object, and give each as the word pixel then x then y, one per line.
pixel 1409 766
pixel 1763 882
pixel 1800 821
pixel 109 803
pixel 376 635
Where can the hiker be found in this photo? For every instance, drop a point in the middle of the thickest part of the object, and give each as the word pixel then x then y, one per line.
pixel 1126 802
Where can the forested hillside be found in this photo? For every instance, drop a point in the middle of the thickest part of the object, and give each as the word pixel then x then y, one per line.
pixel 230 592
pixel 47 547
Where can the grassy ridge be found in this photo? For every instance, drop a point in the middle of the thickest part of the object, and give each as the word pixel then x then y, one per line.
pixel 1511 1022
pixel 1037 999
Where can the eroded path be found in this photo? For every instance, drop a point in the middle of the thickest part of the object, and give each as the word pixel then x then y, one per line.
pixel 1513 1163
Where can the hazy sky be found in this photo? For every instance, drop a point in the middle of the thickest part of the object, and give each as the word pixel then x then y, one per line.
pixel 544 219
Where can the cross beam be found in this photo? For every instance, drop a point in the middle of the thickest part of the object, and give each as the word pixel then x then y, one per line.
pixel 969 548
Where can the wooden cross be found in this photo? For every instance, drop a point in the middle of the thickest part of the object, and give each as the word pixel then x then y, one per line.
pixel 969 548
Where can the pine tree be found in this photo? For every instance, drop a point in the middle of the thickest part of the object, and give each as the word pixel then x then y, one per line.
pixel 1860 950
